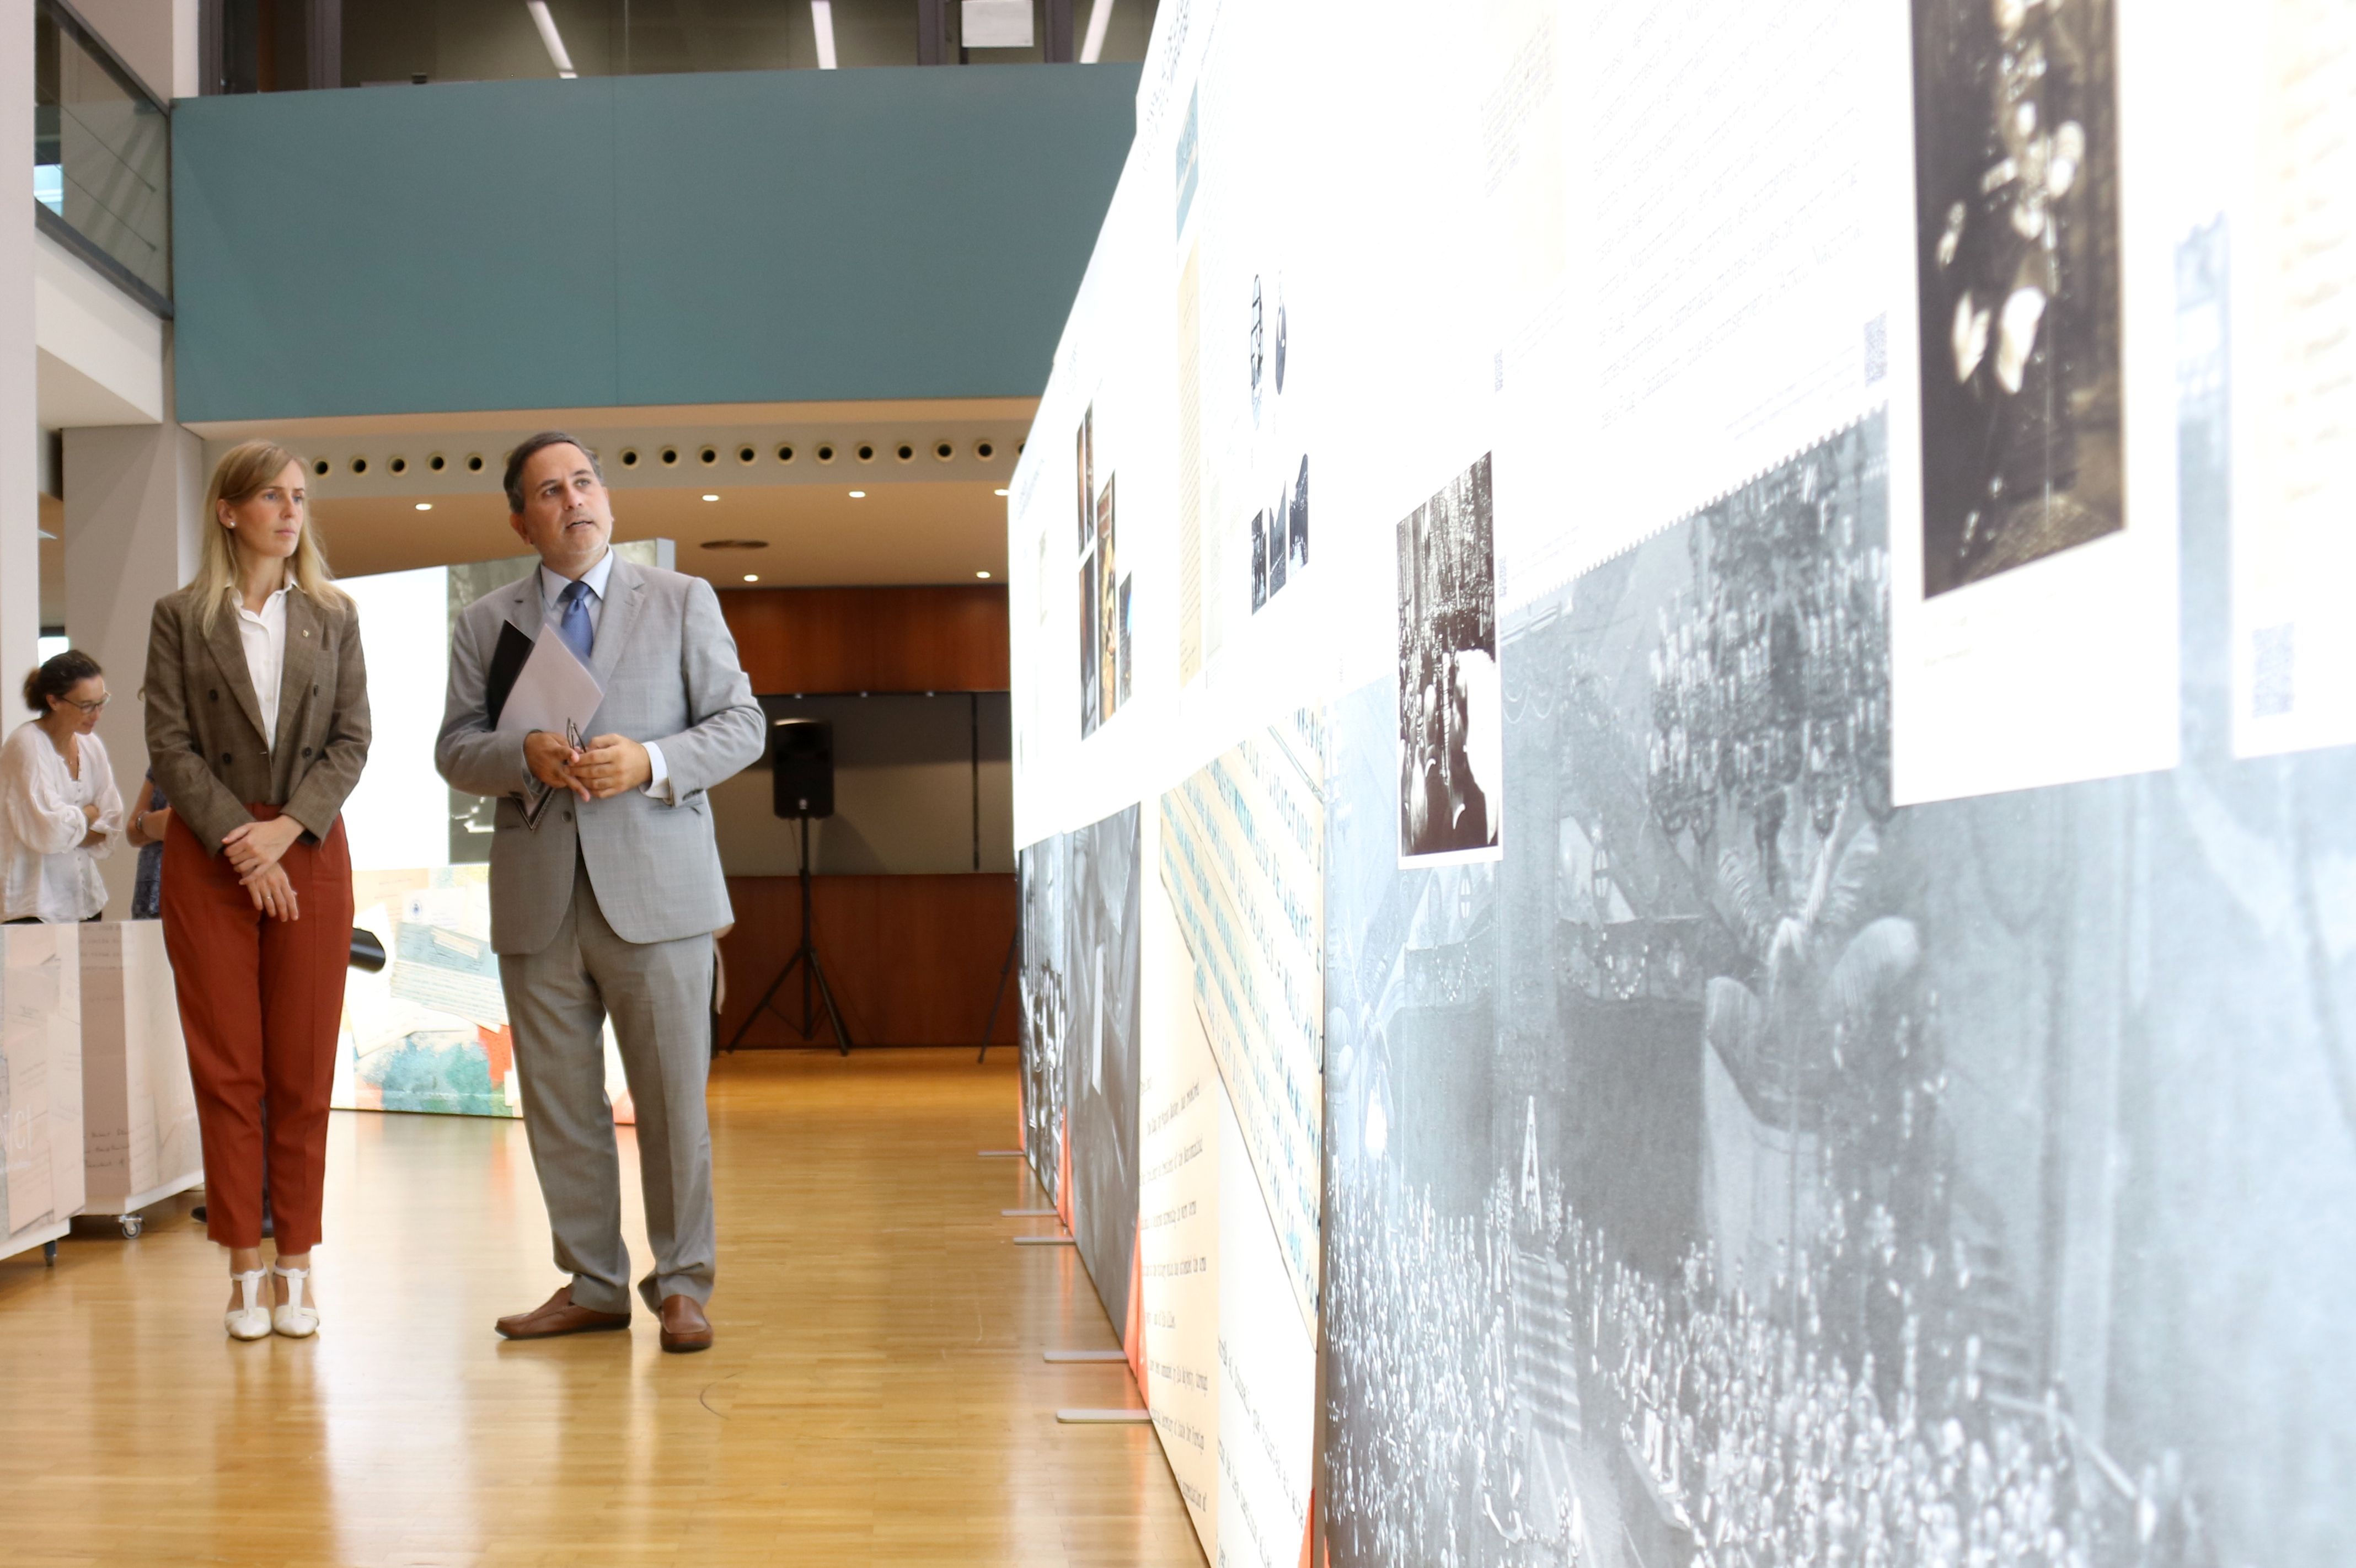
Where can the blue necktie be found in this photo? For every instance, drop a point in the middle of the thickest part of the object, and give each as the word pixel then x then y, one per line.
pixel 574 625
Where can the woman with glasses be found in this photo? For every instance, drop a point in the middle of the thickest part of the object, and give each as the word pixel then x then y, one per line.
pixel 59 811
pixel 257 729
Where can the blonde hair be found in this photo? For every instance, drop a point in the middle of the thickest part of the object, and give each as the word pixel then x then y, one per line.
pixel 245 469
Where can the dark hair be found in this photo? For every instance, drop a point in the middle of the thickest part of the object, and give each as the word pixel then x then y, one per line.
pixel 61 674
pixel 512 480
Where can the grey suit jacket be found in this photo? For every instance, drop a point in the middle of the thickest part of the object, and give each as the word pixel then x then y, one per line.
pixel 204 721
pixel 668 668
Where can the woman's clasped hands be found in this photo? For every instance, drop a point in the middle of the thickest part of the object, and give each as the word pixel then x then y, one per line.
pixel 255 851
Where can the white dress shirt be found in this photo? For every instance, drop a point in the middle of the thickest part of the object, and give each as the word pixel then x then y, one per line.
pixel 551 609
pixel 263 637
pixel 45 872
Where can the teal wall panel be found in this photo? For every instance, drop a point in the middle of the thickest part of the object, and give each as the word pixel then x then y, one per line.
pixel 746 237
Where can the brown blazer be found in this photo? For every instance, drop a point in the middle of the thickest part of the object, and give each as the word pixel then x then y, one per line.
pixel 204 721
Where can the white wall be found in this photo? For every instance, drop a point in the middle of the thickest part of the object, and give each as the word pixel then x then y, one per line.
pixel 101 352
pixel 20 591
pixel 133 494
pixel 156 38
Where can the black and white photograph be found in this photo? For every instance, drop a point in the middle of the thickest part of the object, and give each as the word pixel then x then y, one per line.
pixel 1101 961
pixel 1743 1171
pixel 1279 538
pixel 2017 254
pixel 1091 644
pixel 1449 799
pixel 1128 644
pixel 1106 610
pixel 1084 466
pixel 1296 507
pixel 1046 878
pixel 1081 1011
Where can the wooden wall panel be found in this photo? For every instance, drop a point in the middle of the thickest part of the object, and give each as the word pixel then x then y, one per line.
pixel 932 638
pixel 914 959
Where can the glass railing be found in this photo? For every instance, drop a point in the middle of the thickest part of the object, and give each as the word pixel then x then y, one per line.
pixel 101 158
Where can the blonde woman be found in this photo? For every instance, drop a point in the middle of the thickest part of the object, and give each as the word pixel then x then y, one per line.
pixel 60 810
pixel 258 728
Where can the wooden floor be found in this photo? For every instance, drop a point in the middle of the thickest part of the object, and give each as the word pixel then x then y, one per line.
pixel 876 1393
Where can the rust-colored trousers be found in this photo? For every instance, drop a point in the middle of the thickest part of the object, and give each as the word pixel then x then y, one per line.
pixel 261 1001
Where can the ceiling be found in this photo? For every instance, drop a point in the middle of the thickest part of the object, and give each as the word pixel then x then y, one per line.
pixel 939 532
pixel 783 475
pixel 387 41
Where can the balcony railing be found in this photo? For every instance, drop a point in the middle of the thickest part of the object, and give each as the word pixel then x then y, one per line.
pixel 101 158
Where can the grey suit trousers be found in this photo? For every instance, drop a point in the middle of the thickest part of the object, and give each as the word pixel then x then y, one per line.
pixel 659 997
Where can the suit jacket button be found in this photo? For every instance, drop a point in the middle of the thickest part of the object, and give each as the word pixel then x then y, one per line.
pixel 567 814
pixel 224 756
pixel 214 694
pixel 306 751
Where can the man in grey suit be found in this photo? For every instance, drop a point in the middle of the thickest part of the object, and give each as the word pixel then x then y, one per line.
pixel 608 907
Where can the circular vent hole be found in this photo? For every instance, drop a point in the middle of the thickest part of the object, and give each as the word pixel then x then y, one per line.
pixel 629 457
pixel 669 456
pixel 399 465
pixel 984 450
pixel 903 452
pixel 945 451
pixel 866 452
pixel 437 462
pixel 707 457
pixel 360 464
pixel 473 462
pixel 736 544
pixel 826 454
pixel 745 455
pixel 320 467
pixel 785 454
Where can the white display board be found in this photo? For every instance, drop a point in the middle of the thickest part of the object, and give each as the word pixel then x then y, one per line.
pixel 1870 483
pixel 140 1141
pixel 40 1083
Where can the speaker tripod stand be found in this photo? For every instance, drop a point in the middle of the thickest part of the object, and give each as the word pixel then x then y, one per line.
pixel 816 992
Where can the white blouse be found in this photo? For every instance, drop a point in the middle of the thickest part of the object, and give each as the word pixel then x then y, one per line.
pixel 44 870
pixel 263 637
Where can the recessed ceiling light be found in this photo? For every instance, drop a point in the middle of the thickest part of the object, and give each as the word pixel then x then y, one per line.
pixel 752 577
pixel 425 506
pixel 982 574
pixel 999 492
pixel 859 494
pixel 712 498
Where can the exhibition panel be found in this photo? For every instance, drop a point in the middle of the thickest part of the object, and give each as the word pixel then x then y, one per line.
pixel 1742 954
pixel 139 1105
pixel 41 1182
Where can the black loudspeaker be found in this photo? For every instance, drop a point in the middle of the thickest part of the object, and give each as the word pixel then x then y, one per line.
pixel 801 765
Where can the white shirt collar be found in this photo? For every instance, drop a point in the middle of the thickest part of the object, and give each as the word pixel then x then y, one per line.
pixel 552 584
pixel 236 597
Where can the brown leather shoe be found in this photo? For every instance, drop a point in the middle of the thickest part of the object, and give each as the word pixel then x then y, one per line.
pixel 684 1327
pixel 557 1316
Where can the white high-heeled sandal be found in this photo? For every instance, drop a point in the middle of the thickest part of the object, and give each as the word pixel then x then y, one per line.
pixel 293 1317
pixel 250 1321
